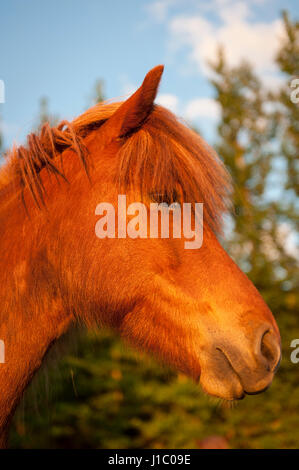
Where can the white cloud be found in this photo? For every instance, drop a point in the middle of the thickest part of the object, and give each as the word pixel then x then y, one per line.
pixel 169 101
pixel 194 109
pixel 159 9
pixel 242 37
pixel 201 107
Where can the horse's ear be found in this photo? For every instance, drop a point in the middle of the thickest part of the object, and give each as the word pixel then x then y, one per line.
pixel 132 113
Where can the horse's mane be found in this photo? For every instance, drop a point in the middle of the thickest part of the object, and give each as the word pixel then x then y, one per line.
pixel 160 156
pixel 45 148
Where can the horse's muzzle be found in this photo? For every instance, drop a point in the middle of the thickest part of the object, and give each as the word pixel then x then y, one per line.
pixel 232 370
pixel 256 371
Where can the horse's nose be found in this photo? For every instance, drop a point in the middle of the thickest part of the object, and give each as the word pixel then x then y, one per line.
pixel 269 350
pixel 256 359
pixel 267 359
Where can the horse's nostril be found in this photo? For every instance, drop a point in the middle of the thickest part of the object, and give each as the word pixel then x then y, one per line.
pixel 270 350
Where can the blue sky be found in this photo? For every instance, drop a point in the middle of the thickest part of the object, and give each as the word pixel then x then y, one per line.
pixel 58 49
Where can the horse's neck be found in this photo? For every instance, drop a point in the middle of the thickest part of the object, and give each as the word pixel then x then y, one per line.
pixel 31 318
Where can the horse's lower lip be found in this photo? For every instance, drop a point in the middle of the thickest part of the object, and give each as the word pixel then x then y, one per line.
pixel 241 397
pixel 228 384
pixel 238 394
pixel 258 391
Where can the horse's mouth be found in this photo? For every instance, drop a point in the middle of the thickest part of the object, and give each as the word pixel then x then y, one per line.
pixel 222 380
pixel 241 396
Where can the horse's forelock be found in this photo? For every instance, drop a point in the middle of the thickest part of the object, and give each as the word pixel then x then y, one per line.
pixel 165 154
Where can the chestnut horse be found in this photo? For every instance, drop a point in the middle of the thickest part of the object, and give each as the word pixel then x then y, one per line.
pixel 193 309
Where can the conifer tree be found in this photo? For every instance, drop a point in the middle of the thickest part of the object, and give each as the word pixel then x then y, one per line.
pixel 248 134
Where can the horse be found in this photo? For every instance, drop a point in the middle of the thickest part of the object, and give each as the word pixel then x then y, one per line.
pixel 192 309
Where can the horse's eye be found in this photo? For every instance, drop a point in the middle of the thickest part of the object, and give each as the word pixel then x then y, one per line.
pixel 166 198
